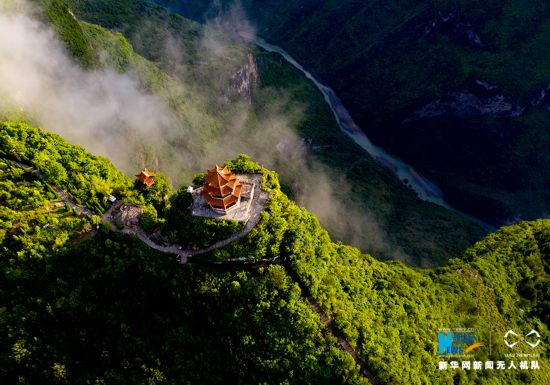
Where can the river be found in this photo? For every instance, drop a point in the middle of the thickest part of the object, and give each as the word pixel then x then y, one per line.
pixel 424 188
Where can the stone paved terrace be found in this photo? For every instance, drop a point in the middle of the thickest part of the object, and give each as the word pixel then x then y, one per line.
pixel 250 200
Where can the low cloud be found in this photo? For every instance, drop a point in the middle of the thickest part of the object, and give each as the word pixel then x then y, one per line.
pixel 111 114
pixel 104 111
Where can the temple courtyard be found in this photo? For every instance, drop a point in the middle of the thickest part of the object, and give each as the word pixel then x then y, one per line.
pixel 250 202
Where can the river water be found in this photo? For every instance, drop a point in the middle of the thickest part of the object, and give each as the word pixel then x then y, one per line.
pixel 424 188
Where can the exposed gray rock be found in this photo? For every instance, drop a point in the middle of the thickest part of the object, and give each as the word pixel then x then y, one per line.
pixel 541 97
pixel 465 104
pixel 486 85
pixel 451 24
pixel 126 214
pixel 244 81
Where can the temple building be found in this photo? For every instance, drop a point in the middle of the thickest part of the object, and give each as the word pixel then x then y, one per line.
pixel 221 190
pixel 146 177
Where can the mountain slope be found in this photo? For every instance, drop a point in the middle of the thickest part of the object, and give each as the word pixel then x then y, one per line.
pixel 390 313
pixel 237 99
pixel 80 306
pixel 110 309
pixel 458 89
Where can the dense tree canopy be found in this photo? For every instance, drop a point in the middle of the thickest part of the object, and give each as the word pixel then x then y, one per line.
pixel 81 305
pixel 391 312
pixel 107 309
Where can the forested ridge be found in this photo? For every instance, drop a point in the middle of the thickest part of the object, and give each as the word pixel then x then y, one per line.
pixel 134 36
pixel 84 306
pixel 459 89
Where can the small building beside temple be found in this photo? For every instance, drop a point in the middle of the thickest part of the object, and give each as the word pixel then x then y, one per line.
pixel 221 190
pixel 146 177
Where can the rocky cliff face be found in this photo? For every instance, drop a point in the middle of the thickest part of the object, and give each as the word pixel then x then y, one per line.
pixel 466 104
pixel 457 89
pixel 482 100
pixel 245 79
pixel 452 24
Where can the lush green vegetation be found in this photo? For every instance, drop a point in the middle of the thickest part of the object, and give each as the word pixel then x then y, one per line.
pixel 87 178
pixel 386 60
pixel 69 31
pixel 178 225
pixel 194 95
pixel 197 232
pixel 32 219
pixel 409 222
pixel 109 310
pixel 391 313
pixel 148 26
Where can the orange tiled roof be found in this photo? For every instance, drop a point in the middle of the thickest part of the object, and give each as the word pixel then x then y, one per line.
pixel 221 188
pixel 146 177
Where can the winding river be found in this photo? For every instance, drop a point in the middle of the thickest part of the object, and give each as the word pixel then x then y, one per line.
pixel 424 188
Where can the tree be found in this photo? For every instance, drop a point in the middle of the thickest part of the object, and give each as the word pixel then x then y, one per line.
pixel 198 179
pixel 158 192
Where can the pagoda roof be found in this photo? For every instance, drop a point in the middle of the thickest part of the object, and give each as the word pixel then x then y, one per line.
pixel 221 188
pixel 146 177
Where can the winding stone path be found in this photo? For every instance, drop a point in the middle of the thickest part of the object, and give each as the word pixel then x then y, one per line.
pixel 65 198
pixel 63 195
pixel 329 324
pixel 252 222
pixel 184 254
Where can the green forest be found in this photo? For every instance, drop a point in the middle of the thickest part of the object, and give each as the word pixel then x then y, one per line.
pixel 85 300
pixel 388 60
pixel 192 85
pixel 86 305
